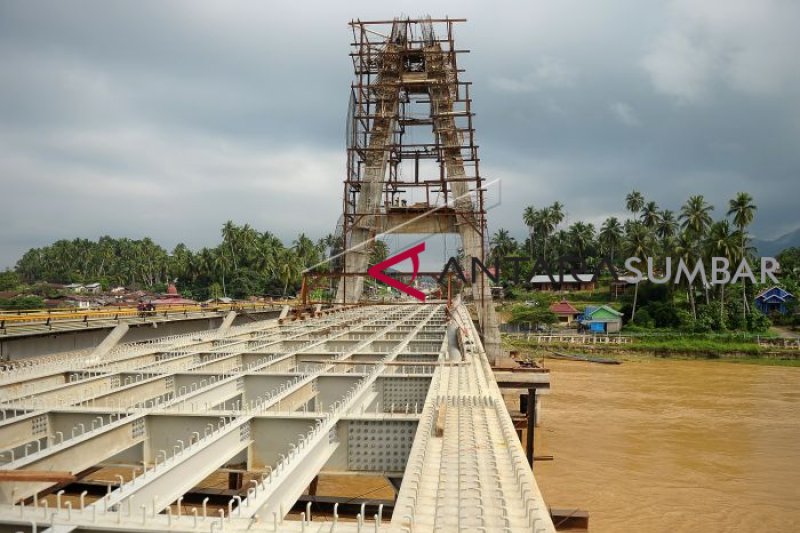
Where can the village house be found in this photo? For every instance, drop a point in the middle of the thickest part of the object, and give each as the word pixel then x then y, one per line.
pixel 565 312
pixel 93 288
pixel 774 300
pixel 172 298
pixel 584 282
pixel 602 319
pixel 622 285
pixel 81 302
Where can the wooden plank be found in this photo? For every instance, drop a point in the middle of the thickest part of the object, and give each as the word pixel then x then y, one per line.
pixel 513 384
pixel 36 475
pixel 565 519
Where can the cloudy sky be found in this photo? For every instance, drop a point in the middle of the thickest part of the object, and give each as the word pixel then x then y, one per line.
pixel 168 118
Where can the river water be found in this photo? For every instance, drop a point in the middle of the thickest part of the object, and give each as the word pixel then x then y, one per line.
pixel 669 445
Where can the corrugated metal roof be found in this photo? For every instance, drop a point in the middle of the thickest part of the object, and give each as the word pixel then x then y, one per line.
pixel 564 308
pixel 568 278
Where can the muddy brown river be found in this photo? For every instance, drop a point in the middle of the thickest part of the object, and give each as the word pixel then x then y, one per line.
pixel 658 445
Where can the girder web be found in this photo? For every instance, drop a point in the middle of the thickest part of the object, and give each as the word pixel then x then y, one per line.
pixel 342 391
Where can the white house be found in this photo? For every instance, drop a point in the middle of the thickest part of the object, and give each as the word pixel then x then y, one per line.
pixel 75 287
pixel 93 288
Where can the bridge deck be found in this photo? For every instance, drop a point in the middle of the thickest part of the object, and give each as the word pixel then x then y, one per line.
pixel 367 390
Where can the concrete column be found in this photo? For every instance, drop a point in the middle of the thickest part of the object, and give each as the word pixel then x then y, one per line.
pixel 111 340
pixel 226 324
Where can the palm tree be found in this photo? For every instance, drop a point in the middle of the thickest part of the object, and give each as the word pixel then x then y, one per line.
pixel 105 254
pixel 289 267
pixel 743 210
pixel 722 243
pixel 667 225
pixel 550 218
pixel 650 216
pixel 229 238
pixel 695 216
pixel 327 244
pixel 529 217
pixel 557 213
pixel 685 249
pixel 610 236
pixel 305 249
pixel 638 243
pixel 502 245
pixel 581 237
pixel 220 263
pixel 248 245
pixel 634 202
pixel 179 262
pixel 695 220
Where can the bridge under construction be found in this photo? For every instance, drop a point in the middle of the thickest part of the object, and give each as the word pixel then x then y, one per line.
pixel 404 391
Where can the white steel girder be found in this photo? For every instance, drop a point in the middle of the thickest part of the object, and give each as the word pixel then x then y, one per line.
pixel 352 361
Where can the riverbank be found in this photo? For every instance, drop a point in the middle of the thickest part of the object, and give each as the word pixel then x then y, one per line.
pixel 679 349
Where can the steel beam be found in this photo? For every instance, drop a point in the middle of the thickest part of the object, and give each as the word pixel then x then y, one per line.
pixel 158 487
pixel 73 455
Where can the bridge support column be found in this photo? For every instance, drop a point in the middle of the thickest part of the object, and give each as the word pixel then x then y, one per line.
pixel 531 412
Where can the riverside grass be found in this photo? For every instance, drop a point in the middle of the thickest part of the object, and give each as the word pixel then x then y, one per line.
pixel 728 350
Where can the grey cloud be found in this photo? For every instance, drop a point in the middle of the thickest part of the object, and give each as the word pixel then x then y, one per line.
pixel 166 119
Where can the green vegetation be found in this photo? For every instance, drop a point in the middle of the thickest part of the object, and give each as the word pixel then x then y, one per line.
pixel 247 262
pixel 535 315
pixel 690 233
pixel 21 303
pixel 719 347
pixel 9 280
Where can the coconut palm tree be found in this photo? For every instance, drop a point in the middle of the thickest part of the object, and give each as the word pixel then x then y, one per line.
pixel 638 243
pixel 634 202
pixel 305 249
pixel 650 216
pixel 695 216
pixel 530 218
pixel 722 243
pixel 221 263
pixel 610 236
pixel 229 238
pixel 581 237
pixel 686 249
pixel 743 210
pixel 557 213
pixel 289 267
pixel 550 218
pixel 667 225
pixel 248 240
pixel 502 245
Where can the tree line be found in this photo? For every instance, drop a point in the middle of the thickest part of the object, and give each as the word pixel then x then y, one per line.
pixel 247 262
pixel 692 233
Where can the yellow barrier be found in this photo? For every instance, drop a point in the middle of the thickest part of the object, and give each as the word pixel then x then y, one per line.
pixel 122 312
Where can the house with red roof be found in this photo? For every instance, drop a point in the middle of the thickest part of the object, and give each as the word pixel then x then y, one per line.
pixel 565 312
pixel 172 297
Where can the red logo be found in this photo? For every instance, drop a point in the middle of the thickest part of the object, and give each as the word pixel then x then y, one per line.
pixel 377 271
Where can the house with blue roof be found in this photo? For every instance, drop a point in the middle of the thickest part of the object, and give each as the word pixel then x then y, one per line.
pixel 774 300
pixel 601 319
